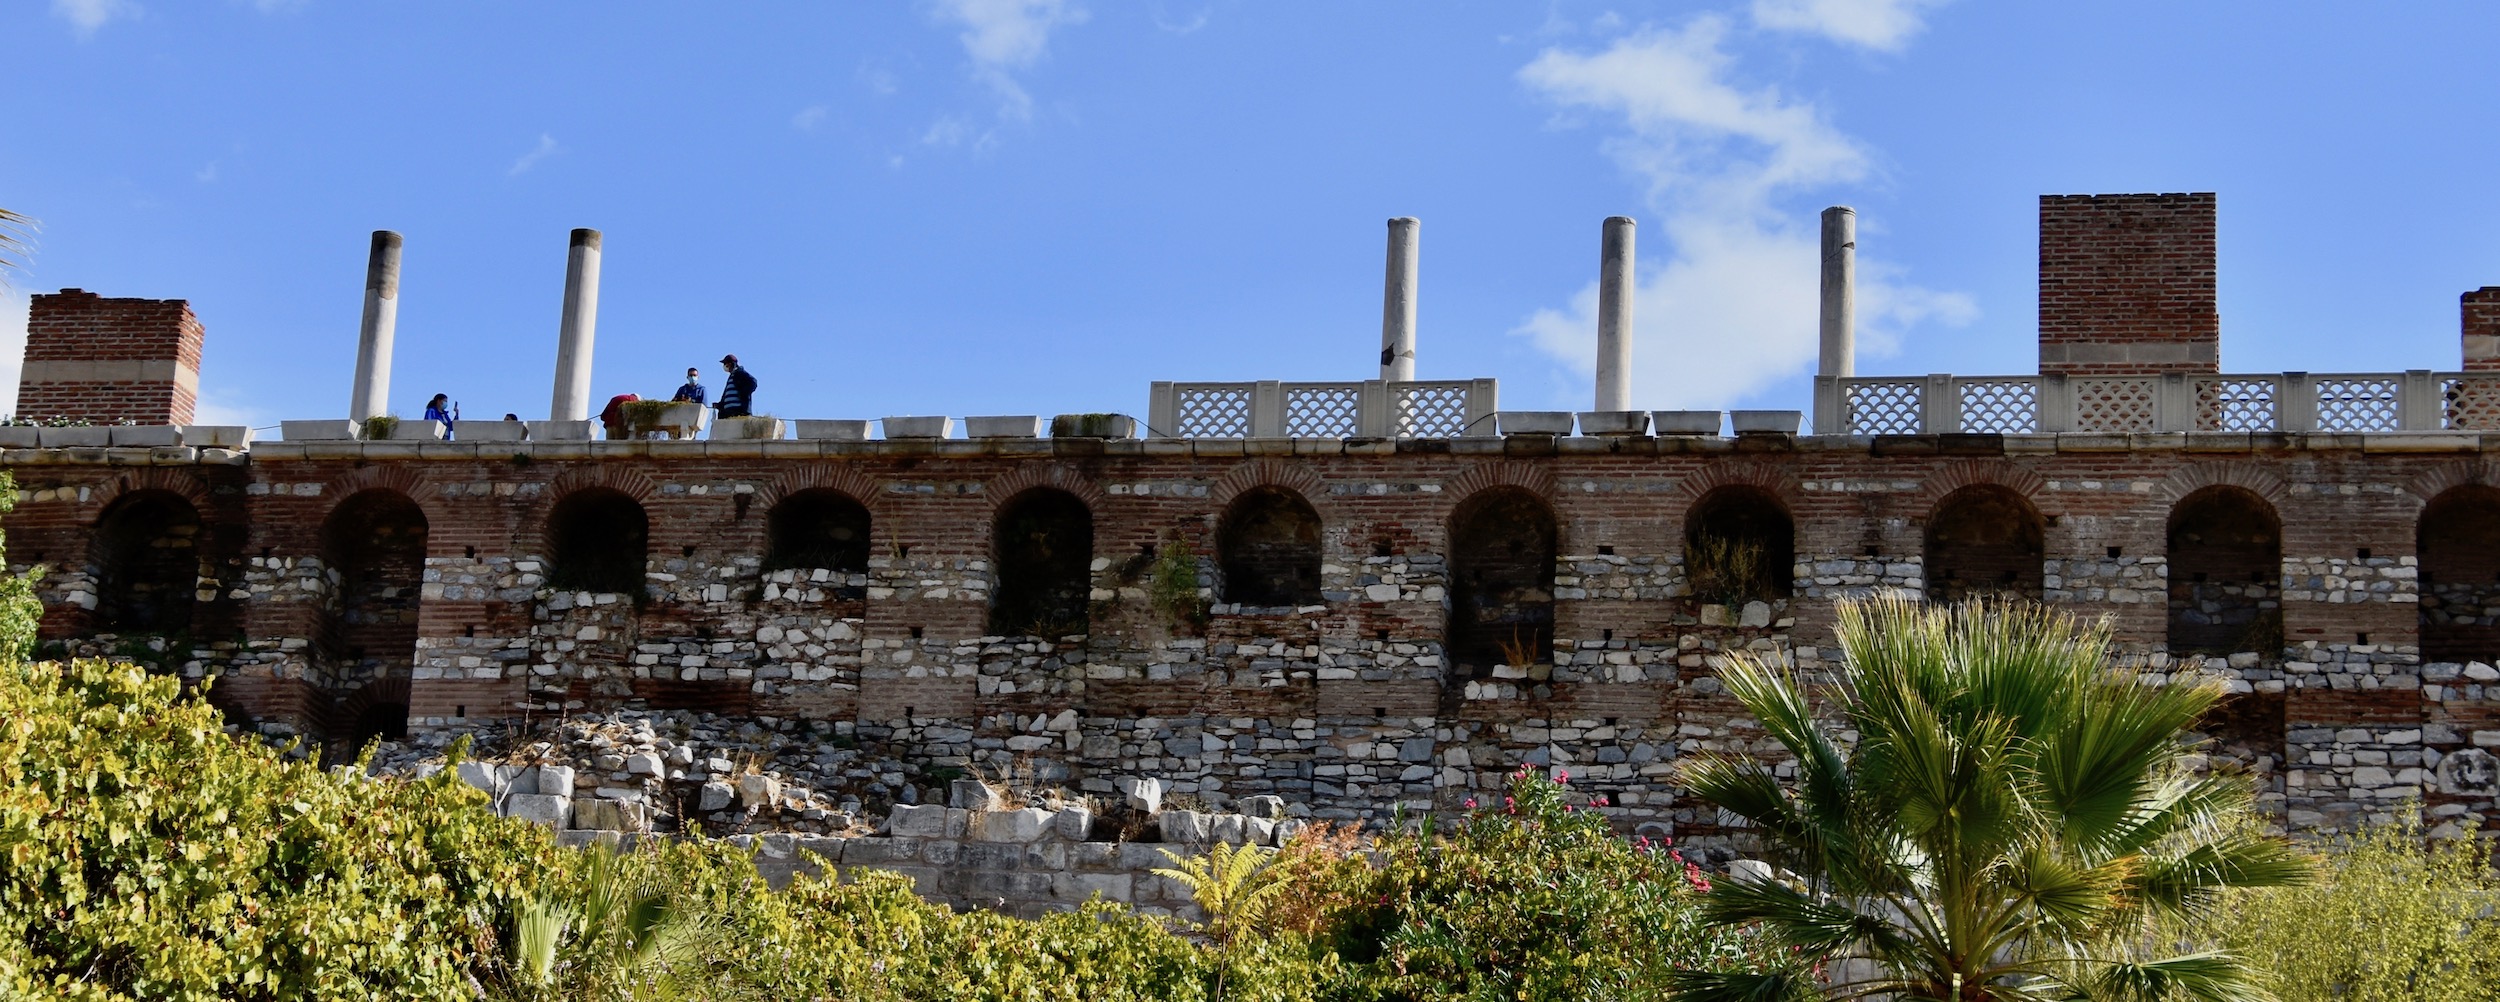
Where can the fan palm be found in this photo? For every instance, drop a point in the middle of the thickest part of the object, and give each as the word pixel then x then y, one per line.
pixel 2010 814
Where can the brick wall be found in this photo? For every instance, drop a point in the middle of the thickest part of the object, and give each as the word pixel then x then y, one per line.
pixel 110 360
pixel 2479 325
pixel 2127 284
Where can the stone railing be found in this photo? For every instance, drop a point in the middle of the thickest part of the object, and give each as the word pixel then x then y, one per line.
pixel 2415 400
pixel 1455 408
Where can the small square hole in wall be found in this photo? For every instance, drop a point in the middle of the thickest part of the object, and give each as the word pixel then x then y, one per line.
pixel 687 550
pixel 469 630
pixel 1146 550
pixel 902 549
pixel 471 551
pixel 460 711
pixel 1870 553
pixel 2362 553
pixel 1380 548
pixel 1609 634
pixel 916 632
pixel 1381 635
pixel 1380 711
pixel 2114 551
pixel 266 551
pixel 1606 551
pixel 2361 638
pixel 2200 576
pixel 910 712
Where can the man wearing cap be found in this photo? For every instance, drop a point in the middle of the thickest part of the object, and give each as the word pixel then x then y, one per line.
pixel 738 398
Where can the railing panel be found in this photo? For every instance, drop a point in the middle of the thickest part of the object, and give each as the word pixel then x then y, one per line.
pixel 1323 410
pixel 2238 403
pixel 1211 410
pixel 1999 405
pixel 1430 410
pixel 2371 402
pixel 1884 406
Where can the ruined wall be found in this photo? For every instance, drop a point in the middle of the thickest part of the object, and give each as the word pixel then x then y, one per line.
pixel 2127 285
pixel 1350 705
pixel 105 361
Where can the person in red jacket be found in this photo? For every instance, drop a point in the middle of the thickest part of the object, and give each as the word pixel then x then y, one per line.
pixel 614 416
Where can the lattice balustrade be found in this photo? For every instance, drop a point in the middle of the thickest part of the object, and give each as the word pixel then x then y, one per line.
pixel 2122 404
pixel 1886 407
pixel 2360 403
pixel 1212 411
pixel 1430 411
pixel 2470 403
pixel 1999 406
pixel 1324 411
pixel 2233 403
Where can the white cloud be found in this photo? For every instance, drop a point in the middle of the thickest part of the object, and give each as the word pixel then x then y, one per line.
pixel 809 118
pixel 1003 36
pixel 546 148
pixel 85 16
pixel 1733 307
pixel 206 175
pixel 1875 24
pixel 1183 27
pixel 230 407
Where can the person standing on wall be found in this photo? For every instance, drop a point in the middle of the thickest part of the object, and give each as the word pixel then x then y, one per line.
pixel 738 398
pixel 440 409
pixel 692 392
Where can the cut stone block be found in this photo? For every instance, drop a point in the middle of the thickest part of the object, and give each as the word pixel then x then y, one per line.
pixel 1144 795
pixel 153 436
pixel 1074 824
pixel 1263 806
pixel 1685 422
pixel 418 431
pixel 1613 422
pixel 320 431
pixel 1533 422
pixel 492 431
pixel 918 427
pixel 1185 827
pixel 86 437
pixel 717 796
pixel 1766 422
pixel 747 429
pixel 831 430
pixel 1093 426
pixel 561 431
pixel 538 808
pixel 1025 825
pixel 552 780
pixel 917 821
pixel 216 436
pixel 974 795
pixel 1017 426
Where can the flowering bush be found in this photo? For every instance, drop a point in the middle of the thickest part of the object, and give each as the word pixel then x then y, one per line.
pixel 1532 898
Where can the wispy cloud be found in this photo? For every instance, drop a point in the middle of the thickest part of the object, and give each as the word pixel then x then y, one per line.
pixel 1885 25
pixel 279 6
pixel 1183 26
pixel 810 117
pixel 1732 309
pixel 85 16
pixel 546 148
pixel 1006 36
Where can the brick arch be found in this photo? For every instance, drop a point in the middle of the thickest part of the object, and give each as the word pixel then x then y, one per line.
pixel 403 480
pixel 831 476
pixel 1059 476
pixel 1773 480
pixel 2439 479
pixel 175 480
pixel 1959 474
pixel 632 483
pixel 1266 473
pixel 1501 473
pixel 2247 476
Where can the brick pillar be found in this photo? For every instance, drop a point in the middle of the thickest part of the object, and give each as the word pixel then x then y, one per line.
pixel 2479 324
pixel 2127 285
pixel 110 360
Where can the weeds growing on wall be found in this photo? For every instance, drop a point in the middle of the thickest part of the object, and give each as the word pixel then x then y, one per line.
pixel 1172 587
pixel 1728 571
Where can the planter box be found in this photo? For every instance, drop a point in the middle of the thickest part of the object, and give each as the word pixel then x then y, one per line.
pixel 492 431
pixel 747 429
pixel 682 420
pixel 918 427
pixel 1766 422
pixel 561 431
pixel 1533 422
pixel 1686 422
pixel 1614 422
pixel 87 437
pixel 417 431
pixel 1017 426
pixel 151 436
pixel 1093 426
pixel 216 436
pixel 19 436
pixel 831 430
pixel 319 431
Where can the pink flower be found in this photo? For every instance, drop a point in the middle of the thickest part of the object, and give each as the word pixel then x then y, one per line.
pixel 1471 803
pixel 1562 776
pixel 1601 801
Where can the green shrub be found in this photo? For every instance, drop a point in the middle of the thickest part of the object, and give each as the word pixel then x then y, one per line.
pixel 2393 918
pixel 1536 899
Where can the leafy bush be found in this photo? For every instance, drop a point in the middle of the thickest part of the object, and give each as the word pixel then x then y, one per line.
pixel 2394 918
pixel 1536 899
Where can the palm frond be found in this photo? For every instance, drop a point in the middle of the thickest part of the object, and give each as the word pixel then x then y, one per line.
pixel 17 243
pixel 2195 977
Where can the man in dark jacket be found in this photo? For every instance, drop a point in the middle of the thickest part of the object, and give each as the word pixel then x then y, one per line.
pixel 738 398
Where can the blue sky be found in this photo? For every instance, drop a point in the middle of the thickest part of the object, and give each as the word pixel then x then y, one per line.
pixel 1037 206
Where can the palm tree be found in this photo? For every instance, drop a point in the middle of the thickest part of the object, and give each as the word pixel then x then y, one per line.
pixel 2011 815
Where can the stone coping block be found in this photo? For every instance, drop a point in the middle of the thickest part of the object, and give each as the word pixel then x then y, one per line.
pixel 82 437
pixel 1010 426
pixel 833 430
pixel 747 429
pixel 418 431
pixel 918 427
pixel 1614 422
pixel 1764 422
pixel 146 436
pixel 19 436
pixel 1093 426
pixel 216 436
pixel 493 431
pixel 1685 422
pixel 561 431
pixel 320 431
pixel 1532 422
